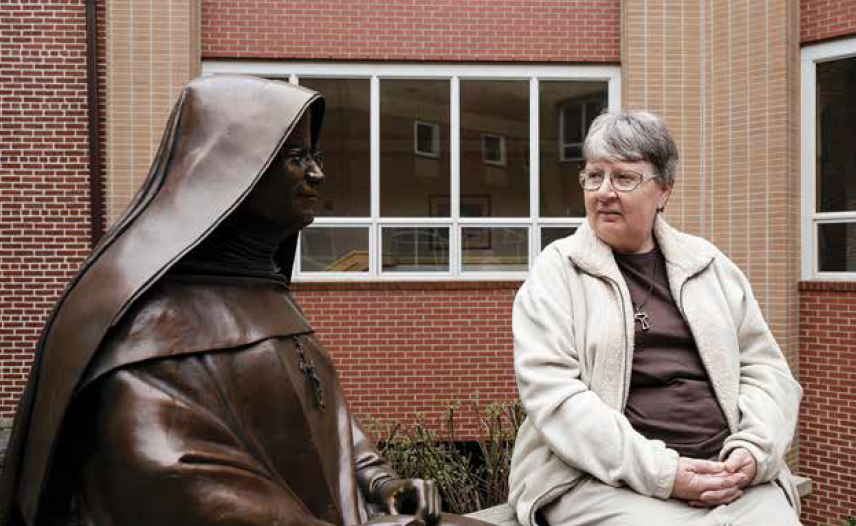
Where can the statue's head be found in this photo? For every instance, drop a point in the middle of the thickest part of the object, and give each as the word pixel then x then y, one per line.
pixel 287 193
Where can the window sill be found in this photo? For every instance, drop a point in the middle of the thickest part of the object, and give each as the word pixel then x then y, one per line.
pixel 300 286
pixel 827 286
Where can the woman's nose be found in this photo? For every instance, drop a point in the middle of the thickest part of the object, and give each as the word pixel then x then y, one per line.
pixel 606 191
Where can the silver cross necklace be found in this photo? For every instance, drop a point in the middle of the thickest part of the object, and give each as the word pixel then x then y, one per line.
pixel 640 315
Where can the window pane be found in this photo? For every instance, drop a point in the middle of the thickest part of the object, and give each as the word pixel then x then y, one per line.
pixel 836 243
pixel 836 141
pixel 552 233
pixel 420 249
pixel 345 142
pixel 414 145
pixel 495 249
pixel 325 249
pixel 566 111
pixel 495 145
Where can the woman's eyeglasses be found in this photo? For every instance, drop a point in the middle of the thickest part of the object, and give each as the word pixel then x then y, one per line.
pixel 623 181
pixel 303 157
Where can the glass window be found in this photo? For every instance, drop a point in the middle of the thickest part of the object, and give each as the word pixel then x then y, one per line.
pixel 495 144
pixel 495 249
pixel 414 145
pixel 413 249
pixel 334 249
pixel 829 231
pixel 345 141
pixel 566 110
pixel 550 234
pixel 403 144
pixel 836 244
pixel 836 136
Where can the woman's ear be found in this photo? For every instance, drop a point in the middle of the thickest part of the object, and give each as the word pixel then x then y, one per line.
pixel 663 198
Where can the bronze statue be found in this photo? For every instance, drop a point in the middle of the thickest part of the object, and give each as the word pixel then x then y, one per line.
pixel 176 381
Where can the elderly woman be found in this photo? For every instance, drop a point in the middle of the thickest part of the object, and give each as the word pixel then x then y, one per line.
pixel 655 392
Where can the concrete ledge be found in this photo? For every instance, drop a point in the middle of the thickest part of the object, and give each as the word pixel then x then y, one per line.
pixel 803 485
pixel 501 515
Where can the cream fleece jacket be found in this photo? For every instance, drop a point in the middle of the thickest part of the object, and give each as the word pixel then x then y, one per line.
pixel 573 341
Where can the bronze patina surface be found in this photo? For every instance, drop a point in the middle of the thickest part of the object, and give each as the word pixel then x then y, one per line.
pixel 177 382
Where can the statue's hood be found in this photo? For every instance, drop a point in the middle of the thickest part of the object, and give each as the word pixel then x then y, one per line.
pixel 222 134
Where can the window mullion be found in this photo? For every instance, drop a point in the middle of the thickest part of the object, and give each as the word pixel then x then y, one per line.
pixel 374 176
pixel 534 188
pixel 455 256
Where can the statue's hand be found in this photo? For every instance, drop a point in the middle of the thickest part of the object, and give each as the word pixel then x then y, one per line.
pixel 412 497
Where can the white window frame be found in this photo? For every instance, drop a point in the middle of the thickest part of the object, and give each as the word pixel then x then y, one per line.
pixel 810 57
pixel 454 73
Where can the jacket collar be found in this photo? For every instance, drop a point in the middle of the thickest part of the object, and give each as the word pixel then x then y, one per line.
pixel 686 254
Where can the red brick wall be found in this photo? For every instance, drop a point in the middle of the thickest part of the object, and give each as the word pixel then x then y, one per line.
pixel 477 30
pixel 407 348
pixel 825 19
pixel 44 192
pixel 828 414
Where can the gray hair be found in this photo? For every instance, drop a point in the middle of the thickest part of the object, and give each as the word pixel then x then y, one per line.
pixel 631 136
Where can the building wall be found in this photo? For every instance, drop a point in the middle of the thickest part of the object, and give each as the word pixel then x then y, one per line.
pixel 476 30
pixel 404 349
pixel 828 416
pixel 44 172
pixel 153 50
pixel 724 75
pixel 826 19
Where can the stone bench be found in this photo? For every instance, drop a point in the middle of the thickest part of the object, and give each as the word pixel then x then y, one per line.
pixel 504 515
pixel 501 515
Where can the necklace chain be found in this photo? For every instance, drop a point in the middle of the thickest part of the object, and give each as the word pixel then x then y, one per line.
pixel 640 315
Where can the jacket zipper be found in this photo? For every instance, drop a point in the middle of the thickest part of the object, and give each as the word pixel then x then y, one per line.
pixel 700 354
pixel 628 353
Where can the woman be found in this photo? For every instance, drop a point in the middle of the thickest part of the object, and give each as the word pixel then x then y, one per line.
pixel 654 389
pixel 177 382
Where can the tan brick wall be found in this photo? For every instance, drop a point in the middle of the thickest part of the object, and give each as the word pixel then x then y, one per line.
pixel 152 51
pixel 724 74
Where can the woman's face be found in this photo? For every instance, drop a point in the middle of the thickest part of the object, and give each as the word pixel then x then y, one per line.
pixel 287 193
pixel 625 220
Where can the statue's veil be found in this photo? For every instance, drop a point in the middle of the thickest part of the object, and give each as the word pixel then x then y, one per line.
pixel 220 138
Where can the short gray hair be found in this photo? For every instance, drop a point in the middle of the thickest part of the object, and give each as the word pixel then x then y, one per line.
pixel 631 136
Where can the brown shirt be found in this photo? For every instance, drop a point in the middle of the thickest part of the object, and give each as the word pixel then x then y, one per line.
pixel 671 398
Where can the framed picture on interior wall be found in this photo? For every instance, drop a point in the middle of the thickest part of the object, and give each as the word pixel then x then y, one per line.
pixel 493 149
pixel 476 238
pixel 426 139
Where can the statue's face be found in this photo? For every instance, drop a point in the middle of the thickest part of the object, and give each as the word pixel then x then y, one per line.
pixel 287 193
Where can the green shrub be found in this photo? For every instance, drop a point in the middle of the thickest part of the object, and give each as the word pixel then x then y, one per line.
pixel 850 521
pixel 467 480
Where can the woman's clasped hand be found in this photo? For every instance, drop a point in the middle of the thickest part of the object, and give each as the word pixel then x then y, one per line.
pixel 711 483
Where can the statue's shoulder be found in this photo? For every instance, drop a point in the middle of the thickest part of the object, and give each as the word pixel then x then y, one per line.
pixel 184 316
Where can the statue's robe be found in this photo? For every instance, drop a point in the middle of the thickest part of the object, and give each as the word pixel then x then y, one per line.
pixel 234 415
